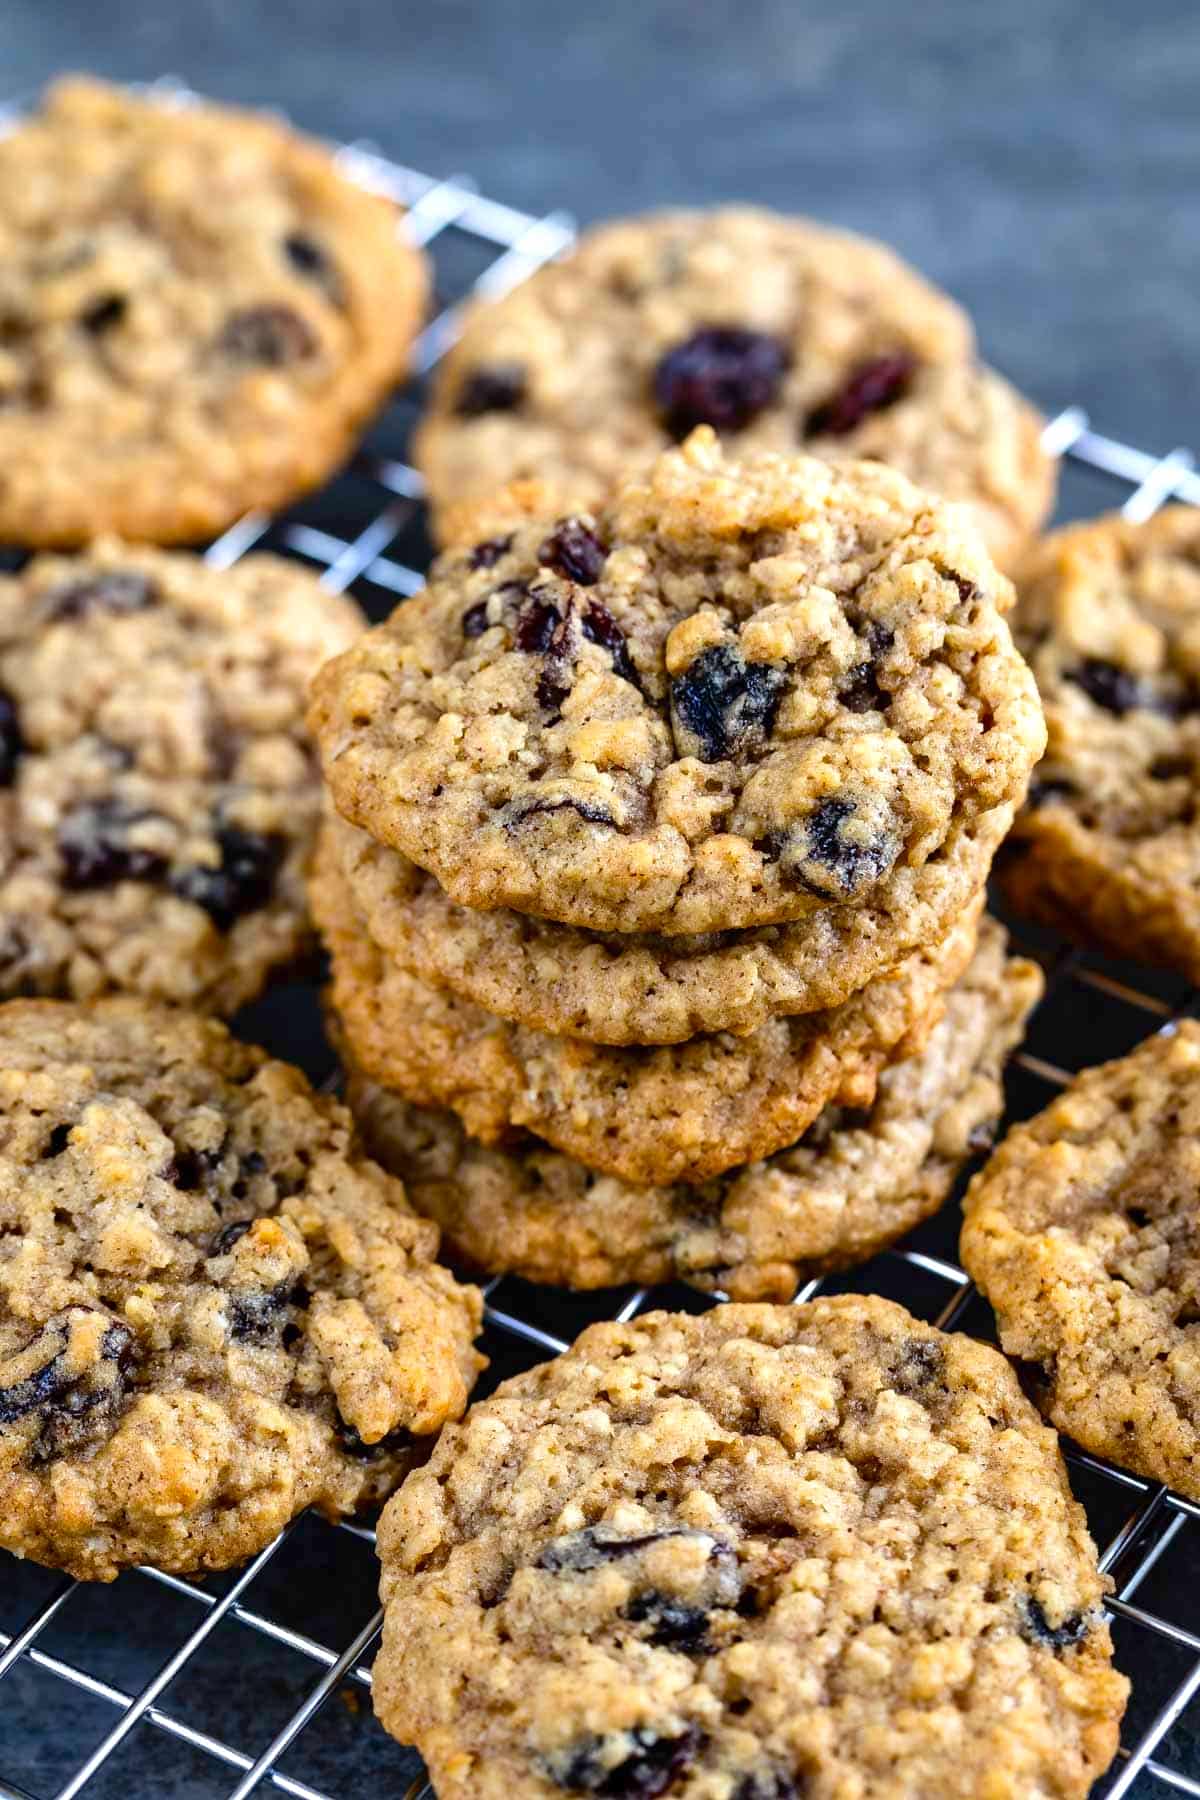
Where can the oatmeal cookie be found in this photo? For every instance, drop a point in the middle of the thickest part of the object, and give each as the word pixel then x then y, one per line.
pixel 779 332
pixel 770 1551
pixel 680 1112
pixel 855 1182
pixel 744 693
pixel 197 311
pixel 214 1311
pixel 1108 847
pixel 158 790
pixel 1084 1233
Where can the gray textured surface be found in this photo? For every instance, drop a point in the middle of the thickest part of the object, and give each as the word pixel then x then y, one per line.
pixel 1038 158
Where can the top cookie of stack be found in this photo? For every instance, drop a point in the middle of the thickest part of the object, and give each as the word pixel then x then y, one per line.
pixel 729 753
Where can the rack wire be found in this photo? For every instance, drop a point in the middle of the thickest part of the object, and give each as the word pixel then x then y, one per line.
pixel 260 1680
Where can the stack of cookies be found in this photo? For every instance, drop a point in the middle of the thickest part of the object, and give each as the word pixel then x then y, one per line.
pixel 655 871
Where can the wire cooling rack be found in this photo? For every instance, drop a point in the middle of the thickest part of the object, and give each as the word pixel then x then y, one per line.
pixel 260 1679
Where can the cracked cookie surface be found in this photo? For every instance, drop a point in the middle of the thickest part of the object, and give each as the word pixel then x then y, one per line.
pixel 1083 1232
pixel 197 310
pixel 680 1112
pixel 158 790
pixel 214 1309
pixel 763 1553
pixel 742 694
pixel 856 1181
pixel 780 333
pixel 1108 847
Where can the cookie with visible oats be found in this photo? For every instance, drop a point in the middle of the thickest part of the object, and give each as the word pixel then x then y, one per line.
pixel 214 1310
pixel 778 332
pixel 855 1182
pixel 765 1553
pixel 1083 1231
pixel 679 1112
pixel 158 789
pixel 198 309
pixel 1108 847
pixel 742 694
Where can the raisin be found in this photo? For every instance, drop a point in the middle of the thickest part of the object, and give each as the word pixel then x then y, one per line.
pixel 356 1446
pixel 1036 1628
pixel 724 704
pixel 103 314
pixel 228 1236
pixel 93 843
pixel 536 624
pixel 191 1169
pixel 862 692
pixel 243 882
pixel 651 1768
pixel 871 387
pixel 673 1624
pixel 57 1142
pixel 771 1786
pixel 488 554
pixel 1116 690
pixel 272 335
pixel 498 389
pixel 830 863
pixel 11 741
pixel 475 620
pixel 68 1399
pixel 599 627
pixel 554 683
pixel 589 811
pixel 307 258
pixel 1042 793
pixel 591 1549
pixel 720 376
pixel 111 591
pixel 922 1364
pixel 258 1314
pixel 575 551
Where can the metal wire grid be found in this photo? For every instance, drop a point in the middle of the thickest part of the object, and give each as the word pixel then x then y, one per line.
pixel 1152 1518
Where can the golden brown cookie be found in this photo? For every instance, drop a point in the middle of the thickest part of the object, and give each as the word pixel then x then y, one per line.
pixel 197 312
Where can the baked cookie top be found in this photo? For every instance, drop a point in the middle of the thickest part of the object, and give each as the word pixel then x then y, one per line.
pixel 763 1552
pixel 1084 1233
pixel 197 309
pixel 857 1180
pixel 214 1310
pixel 778 332
pixel 1109 845
pixel 740 694
pixel 679 1112
pixel 158 790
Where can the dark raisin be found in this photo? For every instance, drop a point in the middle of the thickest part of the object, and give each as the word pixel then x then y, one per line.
pixel 307 258
pixel 243 882
pixel 272 335
pixel 69 1397
pixel 475 620
pixel 252 1163
pixel 228 1236
pixel 1043 793
pixel 488 554
pixel 829 862
pixel 554 683
pixel 1116 690
pixel 720 376
pixel 258 1314
pixel 575 551
pixel 93 843
pixel 599 627
pixel 651 1768
pixel 1163 768
pixel 861 692
pixel 536 624
pixel 57 1142
pixel 111 591
pixel 771 1786
pixel 354 1445
pixel 922 1364
pixel 723 706
pixel 11 741
pixel 592 1547
pixel 871 387
pixel 517 811
pixel 673 1624
pixel 191 1169
pixel 498 389
pixel 1036 1628
pixel 103 314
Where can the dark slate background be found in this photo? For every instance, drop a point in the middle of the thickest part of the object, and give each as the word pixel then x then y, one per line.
pixel 1038 158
